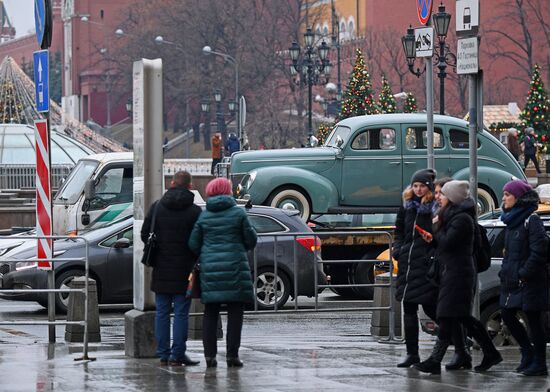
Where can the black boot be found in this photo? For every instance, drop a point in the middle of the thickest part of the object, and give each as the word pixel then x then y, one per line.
pixel 433 363
pixel 234 362
pixel 411 341
pixel 491 356
pixel 526 358
pixel 462 358
pixel 538 364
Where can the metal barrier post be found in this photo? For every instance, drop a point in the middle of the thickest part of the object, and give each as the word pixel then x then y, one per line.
pixel 86 299
pixel 315 280
pixel 254 286
pixel 276 273
pixel 295 271
pixel 51 306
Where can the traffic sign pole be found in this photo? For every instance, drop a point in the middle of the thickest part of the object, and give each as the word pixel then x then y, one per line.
pixel 44 207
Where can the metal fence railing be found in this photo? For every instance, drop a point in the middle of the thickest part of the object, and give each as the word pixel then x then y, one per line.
pixel 52 291
pixel 316 263
pixel 13 176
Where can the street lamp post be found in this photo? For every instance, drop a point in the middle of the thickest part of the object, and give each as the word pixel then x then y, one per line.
pixel 443 58
pixel 207 50
pixel 312 65
pixel 220 121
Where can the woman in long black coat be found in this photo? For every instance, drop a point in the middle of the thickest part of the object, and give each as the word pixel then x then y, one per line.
pixel 524 275
pixel 412 253
pixel 454 241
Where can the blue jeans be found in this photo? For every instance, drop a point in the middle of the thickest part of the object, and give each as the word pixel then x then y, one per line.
pixel 181 306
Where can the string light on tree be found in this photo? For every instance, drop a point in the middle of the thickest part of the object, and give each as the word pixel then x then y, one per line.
pixel 536 113
pixel 323 131
pixel 386 100
pixel 410 104
pixel 359 95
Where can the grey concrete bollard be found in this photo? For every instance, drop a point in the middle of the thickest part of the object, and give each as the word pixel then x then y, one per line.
pixel 195 322
pixel 75 312
pixel 380 318
pixel 139 334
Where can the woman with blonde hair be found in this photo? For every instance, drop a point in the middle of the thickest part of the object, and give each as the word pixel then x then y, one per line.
pixel 412 253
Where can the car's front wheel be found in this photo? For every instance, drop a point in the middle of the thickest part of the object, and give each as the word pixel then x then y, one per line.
pixel 63 281
pixel 291 198
pixel 271 289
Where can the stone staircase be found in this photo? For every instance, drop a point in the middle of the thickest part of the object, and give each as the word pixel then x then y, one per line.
pixel 17 209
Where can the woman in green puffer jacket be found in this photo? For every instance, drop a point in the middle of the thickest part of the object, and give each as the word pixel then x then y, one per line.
pixel 221 237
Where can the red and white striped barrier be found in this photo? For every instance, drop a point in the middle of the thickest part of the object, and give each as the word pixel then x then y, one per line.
pixel 43 193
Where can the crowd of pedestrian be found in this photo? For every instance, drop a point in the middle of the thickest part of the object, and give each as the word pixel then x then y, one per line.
pixel 437 240
pixel 437 246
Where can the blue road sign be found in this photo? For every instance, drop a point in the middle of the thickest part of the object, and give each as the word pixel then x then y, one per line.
pixel 41 80
pixel 40 20
pixel 424 10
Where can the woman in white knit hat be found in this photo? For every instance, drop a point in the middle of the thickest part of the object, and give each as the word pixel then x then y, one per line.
pixel 454 242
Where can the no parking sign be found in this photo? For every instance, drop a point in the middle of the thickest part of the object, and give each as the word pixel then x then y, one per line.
pixel 424 10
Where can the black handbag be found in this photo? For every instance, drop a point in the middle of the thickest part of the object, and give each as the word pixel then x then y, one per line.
pixel 148 257
pixel 433 272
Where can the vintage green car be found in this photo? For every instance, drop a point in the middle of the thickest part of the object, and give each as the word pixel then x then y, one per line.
pixel 365 164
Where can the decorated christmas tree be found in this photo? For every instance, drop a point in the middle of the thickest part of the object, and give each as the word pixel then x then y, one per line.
pixel 359 95
pixel 536 113
pixel 386 101
pixel 410 104
pixel 323 131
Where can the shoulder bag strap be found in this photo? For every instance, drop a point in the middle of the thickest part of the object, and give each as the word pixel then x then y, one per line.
pixel 154 218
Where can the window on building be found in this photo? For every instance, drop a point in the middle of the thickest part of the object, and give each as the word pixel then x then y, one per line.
pixel 101 14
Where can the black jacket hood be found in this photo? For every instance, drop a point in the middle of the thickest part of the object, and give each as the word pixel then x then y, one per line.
pixel 177 198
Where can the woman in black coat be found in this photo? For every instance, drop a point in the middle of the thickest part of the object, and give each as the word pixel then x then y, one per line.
pixel 454 241
pixel 524 276
pixel 412 253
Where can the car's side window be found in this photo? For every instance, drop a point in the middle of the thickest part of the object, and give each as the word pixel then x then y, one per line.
pixel 375 139
pixel 416 138
pixel 129 233
pixel 115 186
pixel 264 224
pixel 459 139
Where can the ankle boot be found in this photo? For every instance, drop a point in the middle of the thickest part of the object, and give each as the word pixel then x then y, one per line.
pixel 411 341
pixel 462 358
pixel 491 356
pixel 234 362
pixel 526 358
pixel 538 364
pixel 433 363
pixel 211 362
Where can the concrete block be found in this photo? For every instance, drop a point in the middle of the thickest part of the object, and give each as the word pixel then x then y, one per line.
pixel 380 318
pixel 75 312
pixel 195 321
pixel 139 334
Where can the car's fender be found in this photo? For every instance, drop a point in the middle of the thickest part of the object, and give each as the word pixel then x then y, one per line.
pixel 322 192
pixel 490 177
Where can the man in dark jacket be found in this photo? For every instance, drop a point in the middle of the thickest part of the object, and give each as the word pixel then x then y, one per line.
pixel 232 145
pixel 173 261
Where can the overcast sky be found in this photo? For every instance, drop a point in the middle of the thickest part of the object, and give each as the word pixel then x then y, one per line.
pixel 21 14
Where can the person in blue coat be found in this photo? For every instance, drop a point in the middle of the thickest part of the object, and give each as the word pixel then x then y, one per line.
pixel 524 275
pixel 232 144
pixel 221 237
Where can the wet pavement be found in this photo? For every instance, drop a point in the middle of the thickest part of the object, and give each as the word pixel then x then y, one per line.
pixel 284 352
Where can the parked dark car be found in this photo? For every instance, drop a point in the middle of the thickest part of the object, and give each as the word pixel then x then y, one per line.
pixel 111 261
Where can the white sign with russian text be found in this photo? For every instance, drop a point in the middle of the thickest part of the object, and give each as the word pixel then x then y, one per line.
pixel 467 56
